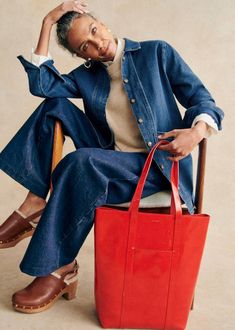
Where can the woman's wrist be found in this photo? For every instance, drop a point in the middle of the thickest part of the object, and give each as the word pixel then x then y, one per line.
pixel 44 38
pixel 47 21
pixel 200 129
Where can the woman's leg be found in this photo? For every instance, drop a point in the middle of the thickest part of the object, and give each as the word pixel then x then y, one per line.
pixel 82 181
pixel 27 159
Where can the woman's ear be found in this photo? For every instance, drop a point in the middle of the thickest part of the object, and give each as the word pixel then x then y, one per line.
pixel 78 55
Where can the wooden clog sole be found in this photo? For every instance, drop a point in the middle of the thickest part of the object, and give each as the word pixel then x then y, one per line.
pixel 12 242
pixel 68 293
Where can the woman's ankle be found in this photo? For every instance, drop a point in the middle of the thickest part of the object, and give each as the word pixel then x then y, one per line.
pixel 66 268
pixel 34 198
pixel 32 204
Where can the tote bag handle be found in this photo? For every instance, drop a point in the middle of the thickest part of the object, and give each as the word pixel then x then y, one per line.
pixel 175 198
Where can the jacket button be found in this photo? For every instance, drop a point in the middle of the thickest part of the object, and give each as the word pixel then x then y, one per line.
pixel 149 143
pixel 125 81
pixel 132 100
pixel 140 120
pixel 123 58
pixel 162 166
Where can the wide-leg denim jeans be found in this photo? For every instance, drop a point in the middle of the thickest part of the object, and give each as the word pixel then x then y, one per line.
pixel 84 179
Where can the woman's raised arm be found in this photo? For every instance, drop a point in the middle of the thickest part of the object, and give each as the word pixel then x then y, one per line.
pixel 45 80
pixel 51 18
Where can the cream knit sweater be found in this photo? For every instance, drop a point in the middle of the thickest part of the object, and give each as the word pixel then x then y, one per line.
pixel 119 114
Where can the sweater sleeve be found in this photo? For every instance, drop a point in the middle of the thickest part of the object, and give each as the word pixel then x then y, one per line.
pixel 39 59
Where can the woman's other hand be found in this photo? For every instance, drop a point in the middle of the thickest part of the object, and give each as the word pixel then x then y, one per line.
pixel 185 140
pixel 55 14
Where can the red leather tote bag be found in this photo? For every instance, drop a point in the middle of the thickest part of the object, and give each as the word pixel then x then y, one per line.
pixel 146 264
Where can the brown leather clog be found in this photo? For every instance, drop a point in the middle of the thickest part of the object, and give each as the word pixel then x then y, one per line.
pixel 43 292
pixel 17 227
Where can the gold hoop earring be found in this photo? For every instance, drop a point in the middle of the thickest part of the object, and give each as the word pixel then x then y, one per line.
pixel 87 63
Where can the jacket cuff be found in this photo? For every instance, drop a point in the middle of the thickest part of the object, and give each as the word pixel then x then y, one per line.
pixel 47 65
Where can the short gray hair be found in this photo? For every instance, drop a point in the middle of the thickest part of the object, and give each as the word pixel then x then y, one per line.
pixel 63 26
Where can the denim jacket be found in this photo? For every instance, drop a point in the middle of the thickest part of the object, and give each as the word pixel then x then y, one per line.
pixel 153 75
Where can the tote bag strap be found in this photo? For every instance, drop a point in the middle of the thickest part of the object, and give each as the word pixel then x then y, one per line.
pixel 176 208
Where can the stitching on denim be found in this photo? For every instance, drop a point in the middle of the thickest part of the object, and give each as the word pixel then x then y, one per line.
pixel 164 54
pixel 40 82
pixel 41 124
pixel 98 139
pixel 16 174
pixel 76 178
pixel 26 269
pixel 77 223
pixel 82 217
pixel 91 207
pixel 19 178
pixel 93 96
pixel 145 97
pixel 125 179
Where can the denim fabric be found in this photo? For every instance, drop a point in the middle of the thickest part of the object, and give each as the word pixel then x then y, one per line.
pixel 86 178
pixel 27 157
pixel 153 75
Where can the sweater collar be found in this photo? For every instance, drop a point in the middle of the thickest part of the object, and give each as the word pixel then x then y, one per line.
pixel 119 49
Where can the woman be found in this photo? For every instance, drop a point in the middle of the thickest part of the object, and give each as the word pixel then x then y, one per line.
pixel 128 90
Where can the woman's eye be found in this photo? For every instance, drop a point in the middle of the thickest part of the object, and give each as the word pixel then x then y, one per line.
pixel 94 30
pixel 84 48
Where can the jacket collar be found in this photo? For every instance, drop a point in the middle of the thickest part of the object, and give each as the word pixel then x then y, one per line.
pixel 131 45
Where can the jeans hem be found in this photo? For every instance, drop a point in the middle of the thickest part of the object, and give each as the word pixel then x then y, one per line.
pixel 38 271
pixel 22 180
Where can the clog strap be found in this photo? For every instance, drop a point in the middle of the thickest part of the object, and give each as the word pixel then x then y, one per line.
pixel 30 218
pixel 70 276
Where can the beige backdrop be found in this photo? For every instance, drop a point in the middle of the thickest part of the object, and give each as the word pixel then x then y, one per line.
pixel 203 32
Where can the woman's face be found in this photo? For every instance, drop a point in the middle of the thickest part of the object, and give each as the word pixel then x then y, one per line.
pixel 91 39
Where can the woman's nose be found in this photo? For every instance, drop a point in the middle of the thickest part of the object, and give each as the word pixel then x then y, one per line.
pixel 99 46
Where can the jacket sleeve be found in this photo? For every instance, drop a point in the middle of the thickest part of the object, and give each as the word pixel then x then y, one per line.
pixel 46 81
pixel 189 90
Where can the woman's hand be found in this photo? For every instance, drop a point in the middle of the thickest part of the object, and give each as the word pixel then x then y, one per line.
pixel 51 18
pixel 185 140
pixel 54 15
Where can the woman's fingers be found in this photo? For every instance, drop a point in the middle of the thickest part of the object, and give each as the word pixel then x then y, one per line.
pixel 55 14
pixel 84 4
pixel 80 7
pixel 175 158
pixel 166 135
pixel 166 147
pixel 74 5
pixel 185 140
pixel 171 147
pixel 176 152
